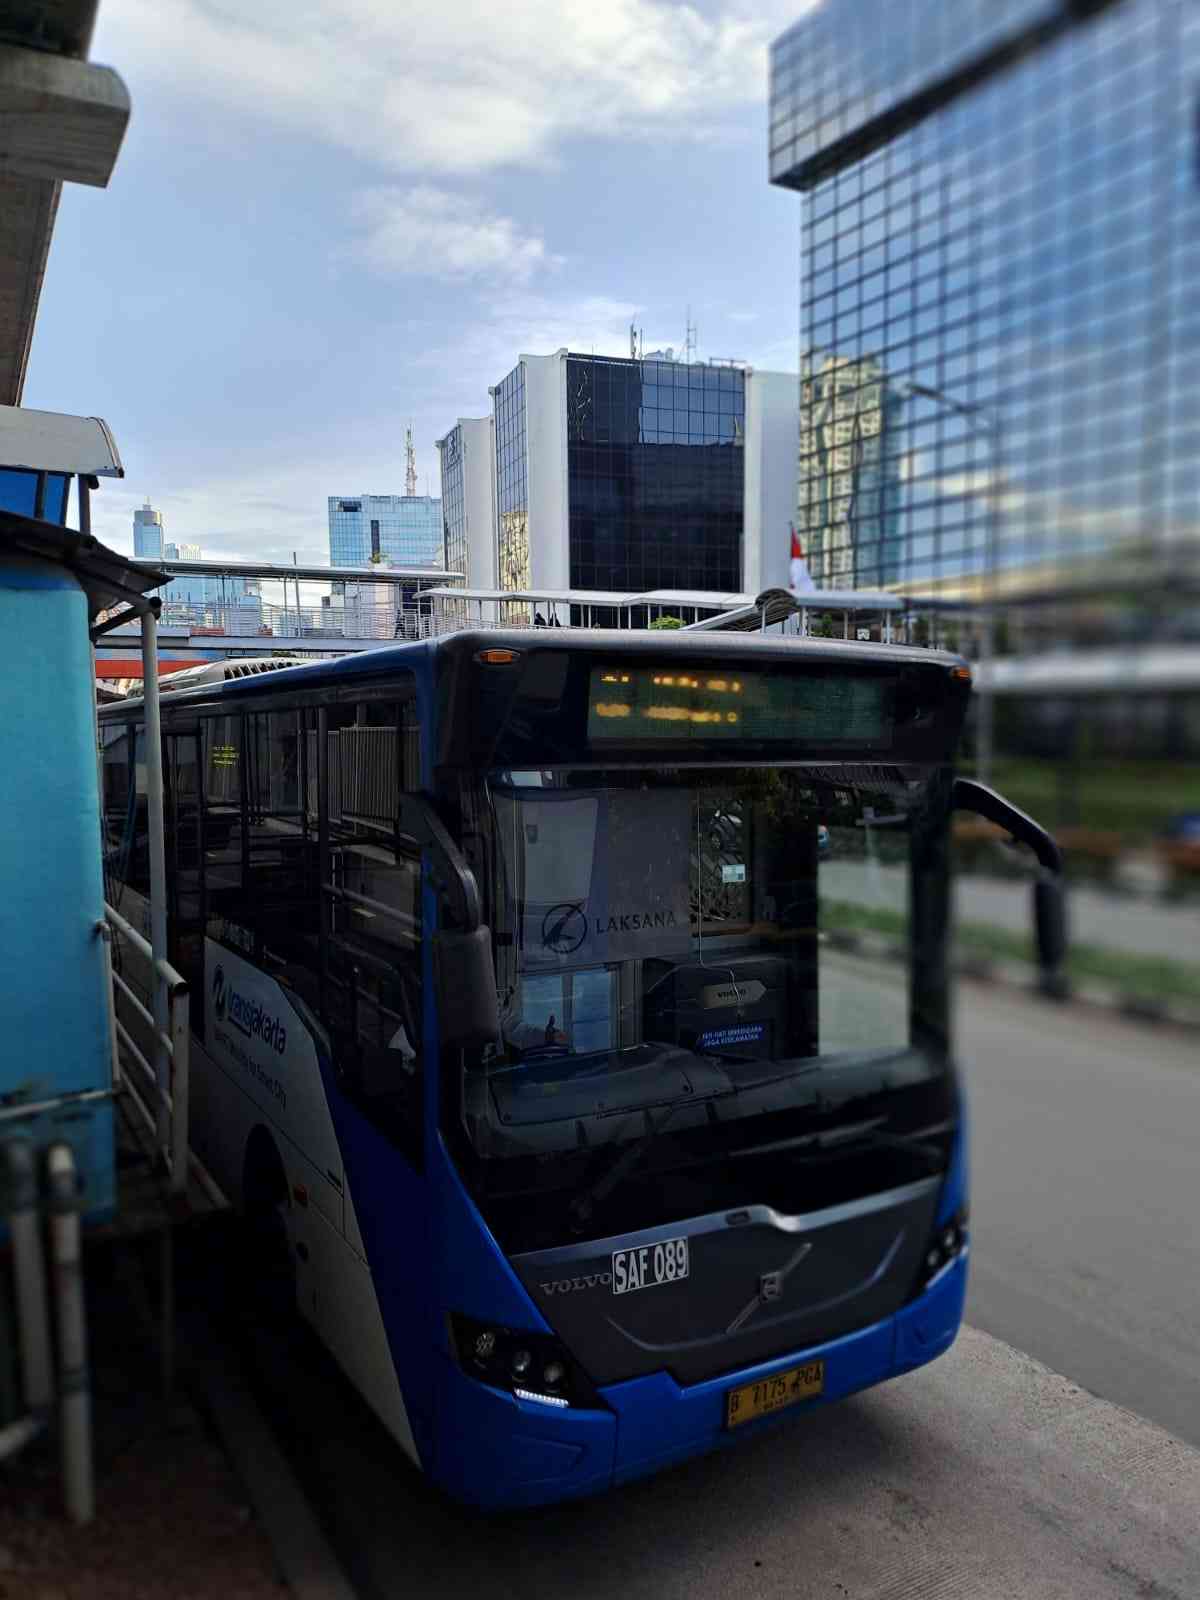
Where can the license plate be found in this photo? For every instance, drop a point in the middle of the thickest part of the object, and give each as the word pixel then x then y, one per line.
pixel 648 1264
pixel 760 1399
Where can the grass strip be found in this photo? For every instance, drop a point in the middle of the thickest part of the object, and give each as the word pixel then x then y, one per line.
pixel 1136 976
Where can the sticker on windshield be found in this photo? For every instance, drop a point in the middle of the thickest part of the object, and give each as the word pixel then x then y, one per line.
pixel 721 1038
pixel 649 1264
pixel 733 872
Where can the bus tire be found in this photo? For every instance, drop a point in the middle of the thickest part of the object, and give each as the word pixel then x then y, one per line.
pixel 268 1270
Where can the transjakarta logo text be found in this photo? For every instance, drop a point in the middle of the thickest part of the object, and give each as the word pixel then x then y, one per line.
pixel 247 1015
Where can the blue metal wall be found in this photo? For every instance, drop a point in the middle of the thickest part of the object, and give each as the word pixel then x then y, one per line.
pixel 53 1004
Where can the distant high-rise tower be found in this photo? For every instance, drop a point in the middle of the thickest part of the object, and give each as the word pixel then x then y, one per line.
pixel 410 464
pixel 147 534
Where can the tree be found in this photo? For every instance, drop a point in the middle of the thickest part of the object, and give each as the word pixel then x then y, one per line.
pixel 667 622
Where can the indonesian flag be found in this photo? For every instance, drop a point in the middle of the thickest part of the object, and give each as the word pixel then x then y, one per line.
pixel 801 578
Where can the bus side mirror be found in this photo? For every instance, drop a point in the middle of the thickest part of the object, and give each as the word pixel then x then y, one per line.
pixel 1049 900
pixel 468 1006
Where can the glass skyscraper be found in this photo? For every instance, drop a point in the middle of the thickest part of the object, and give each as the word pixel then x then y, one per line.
pixel 998 273
pixel 147 534
pixel 406 529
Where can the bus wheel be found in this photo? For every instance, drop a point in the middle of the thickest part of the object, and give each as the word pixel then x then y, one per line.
pixel 267 1279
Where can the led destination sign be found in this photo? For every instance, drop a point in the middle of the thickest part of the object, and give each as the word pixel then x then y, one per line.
pixel 633 704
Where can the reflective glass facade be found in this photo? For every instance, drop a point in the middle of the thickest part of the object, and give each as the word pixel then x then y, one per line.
pixel 1001 204
pixel 656 474
pixel 512 481
pixel 407 529
pixel 147 533
pixel 454 501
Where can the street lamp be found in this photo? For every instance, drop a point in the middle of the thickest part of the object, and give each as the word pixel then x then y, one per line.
pixel 987 422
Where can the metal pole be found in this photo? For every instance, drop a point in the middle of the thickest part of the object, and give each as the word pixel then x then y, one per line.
pixel 158 872
pixel 85 503
pixel 33 1321
pixel 76 1403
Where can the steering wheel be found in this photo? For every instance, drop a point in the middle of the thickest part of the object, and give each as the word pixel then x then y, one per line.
pixel 544 1052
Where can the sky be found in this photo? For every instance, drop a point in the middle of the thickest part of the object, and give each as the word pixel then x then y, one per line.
pixel 331 218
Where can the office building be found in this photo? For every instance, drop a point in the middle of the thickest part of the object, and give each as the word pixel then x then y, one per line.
pixel 625 474
pixel 999 202
pixel 468 467
pixel 147 533
pixel 407 529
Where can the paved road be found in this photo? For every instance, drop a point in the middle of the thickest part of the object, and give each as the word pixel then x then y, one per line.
pixel 981 1477
pixel 1086 1197
pixel 1111 921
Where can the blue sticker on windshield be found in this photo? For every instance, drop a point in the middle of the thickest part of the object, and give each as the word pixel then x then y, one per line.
pixel 722 1038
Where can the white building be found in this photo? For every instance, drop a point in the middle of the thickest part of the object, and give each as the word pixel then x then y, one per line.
pixel 625 475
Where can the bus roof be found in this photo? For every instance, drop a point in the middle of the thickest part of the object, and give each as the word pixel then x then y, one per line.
pixel 682 644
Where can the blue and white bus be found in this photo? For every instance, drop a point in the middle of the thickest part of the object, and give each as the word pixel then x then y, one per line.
pixel 529 1042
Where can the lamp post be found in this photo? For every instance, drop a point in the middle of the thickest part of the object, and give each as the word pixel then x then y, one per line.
pixel 986 421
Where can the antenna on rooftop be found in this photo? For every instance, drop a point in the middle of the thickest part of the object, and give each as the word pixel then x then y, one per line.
pixel 689 343
pixel 410 463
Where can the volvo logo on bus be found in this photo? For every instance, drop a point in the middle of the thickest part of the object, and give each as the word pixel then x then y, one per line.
pixel 564 928
pixel 590 1280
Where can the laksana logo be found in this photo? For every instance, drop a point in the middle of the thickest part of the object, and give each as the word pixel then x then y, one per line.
pixel 246 1015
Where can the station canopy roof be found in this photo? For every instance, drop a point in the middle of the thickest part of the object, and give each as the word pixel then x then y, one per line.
pixel 50 441
pixel 63 122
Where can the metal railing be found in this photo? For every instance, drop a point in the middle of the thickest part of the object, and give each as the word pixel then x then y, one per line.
pixel 367 619
pixel 156 1082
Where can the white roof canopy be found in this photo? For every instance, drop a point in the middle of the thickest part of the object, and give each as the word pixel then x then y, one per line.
pixel 50 441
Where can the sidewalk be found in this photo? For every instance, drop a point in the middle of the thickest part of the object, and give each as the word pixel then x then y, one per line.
pixel 173 1521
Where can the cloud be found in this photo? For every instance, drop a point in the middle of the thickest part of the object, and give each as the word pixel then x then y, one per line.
pixel 434 233
pixel 461 87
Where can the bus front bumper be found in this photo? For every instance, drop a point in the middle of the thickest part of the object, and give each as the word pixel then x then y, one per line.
pixel 498 1452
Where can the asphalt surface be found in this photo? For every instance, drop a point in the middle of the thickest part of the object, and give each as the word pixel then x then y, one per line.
pixel 981 1477
pixel 984 1475
pixel 1086 1196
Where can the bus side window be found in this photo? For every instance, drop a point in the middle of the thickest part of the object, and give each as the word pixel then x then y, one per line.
pixel 126 842
pixel 222 758
pixel 117 805
pixel 373 917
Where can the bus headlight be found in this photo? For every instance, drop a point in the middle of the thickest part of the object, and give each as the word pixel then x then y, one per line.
pixel 532 1366
pixel 946 1244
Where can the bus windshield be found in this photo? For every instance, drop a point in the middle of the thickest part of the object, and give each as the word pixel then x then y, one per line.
pixel 677 942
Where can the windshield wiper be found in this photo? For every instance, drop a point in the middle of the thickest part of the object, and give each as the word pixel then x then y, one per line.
pixel 584 1205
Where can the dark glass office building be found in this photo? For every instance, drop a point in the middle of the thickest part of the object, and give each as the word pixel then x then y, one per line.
pixel 655 474
pixel 454 509
pixel 630 475
pixel 1001 208
pixel 512 482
